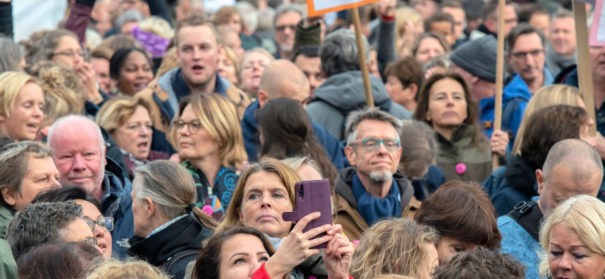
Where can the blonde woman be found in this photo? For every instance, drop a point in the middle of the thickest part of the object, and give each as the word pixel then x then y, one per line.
pixel 396 246
pixel 409 26
pixel 209 141
pixel 21 106
pixel 128 122
pixel 573 238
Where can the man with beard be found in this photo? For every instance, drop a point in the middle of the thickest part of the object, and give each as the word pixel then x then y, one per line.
pixel 371 189
pixel 284 22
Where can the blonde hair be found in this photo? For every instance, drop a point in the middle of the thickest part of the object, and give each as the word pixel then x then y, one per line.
pixel 394 246
pixel 115 269
pixel 287 176
pixel 158 26
pixel 115 112
pixel 11 83
pixel 63 90
pixel 246 54
pixel 585 216
pixel 169 62
pixel 219 118
pixel 402 15
pixel 545 97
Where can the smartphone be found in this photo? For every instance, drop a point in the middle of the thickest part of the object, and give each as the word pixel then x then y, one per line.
pixel 312 196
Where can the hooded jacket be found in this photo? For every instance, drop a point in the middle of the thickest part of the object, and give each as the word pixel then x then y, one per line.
pixel 342 94
pixel 347 215
pixel 117 203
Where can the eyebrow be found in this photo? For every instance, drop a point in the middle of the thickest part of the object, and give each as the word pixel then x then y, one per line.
pixel 239 254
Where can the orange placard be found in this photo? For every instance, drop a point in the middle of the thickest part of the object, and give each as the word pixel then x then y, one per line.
pixel 320 7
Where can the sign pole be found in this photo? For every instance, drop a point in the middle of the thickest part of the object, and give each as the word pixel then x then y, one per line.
pixel 362 58
pixel 584 69
pixel 499 76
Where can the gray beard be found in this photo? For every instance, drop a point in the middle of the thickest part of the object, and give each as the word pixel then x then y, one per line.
pixel 381 176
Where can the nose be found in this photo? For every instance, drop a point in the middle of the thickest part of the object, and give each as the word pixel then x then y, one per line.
pixel 265 201
pixel 196 53
pixel 565 262
pixel 78 163
pixel 98 231
pixel 38 112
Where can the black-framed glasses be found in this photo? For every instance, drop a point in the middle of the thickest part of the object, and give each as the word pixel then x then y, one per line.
pixel 193 126
pixel 373 144
pixel 103 222
pixel 523 54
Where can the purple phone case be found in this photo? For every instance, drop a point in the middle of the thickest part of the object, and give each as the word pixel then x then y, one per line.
pixel 312 196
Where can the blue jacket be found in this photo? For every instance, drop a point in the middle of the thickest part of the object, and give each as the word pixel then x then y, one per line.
pixel 515 97
pixel 518 243
pixel 117 203
pixel 251 142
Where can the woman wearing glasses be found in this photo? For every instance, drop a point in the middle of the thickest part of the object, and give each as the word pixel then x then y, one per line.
pixel 61 46
pixel 128 122
pixel 446 104
pixel 208 138
pixel 101 226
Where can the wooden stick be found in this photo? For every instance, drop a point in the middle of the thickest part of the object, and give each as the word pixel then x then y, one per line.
pixel 584 68
pixel 499 76
pixel 362 59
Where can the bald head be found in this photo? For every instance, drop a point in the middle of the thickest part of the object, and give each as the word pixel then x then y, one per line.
pixel 572 167
pixel 282 79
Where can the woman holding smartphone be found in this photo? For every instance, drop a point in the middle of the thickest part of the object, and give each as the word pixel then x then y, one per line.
pixel 264 192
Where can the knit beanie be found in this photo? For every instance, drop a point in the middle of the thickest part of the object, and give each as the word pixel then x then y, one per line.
pixel 477 57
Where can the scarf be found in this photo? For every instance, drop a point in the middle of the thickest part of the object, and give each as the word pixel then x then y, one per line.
pixel 373 209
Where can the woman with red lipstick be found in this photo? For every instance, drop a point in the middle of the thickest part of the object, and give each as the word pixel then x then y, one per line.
pixel 128 122
pixel 445 103
pixel 208 138
pixel 21 106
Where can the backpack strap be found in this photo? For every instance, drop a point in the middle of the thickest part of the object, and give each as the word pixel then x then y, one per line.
pixel 180 259
pixel 528 215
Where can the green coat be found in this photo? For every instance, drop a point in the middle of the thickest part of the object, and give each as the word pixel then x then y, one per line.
pixel 460 150
pixel 8 266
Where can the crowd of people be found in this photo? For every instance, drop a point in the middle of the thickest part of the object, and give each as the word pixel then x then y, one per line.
pixel 165 139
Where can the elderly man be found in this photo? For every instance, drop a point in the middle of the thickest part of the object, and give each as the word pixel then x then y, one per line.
pixel 284 22
pixel 79 154
pixel 197 50
pixel 371 189
pixel 282 79
pixel 572 167
pixel 343 91
pixel 46 222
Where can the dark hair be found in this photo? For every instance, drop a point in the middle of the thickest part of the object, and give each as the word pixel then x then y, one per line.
pixel 209 260
pixel 40 223
pixel 439 17
pixel 492 8
pixel 287 132
pixel 408 70
pixel 480 263
pixel 463 211
pixel 57 261
pixel 66 193
pixel 526 11
pixel 310 51
pixel 520 30
pixel 472 109
pixel 548 126
pixel 119 57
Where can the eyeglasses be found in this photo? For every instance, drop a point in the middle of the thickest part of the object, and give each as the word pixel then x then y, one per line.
pixel 523 54
pixel 193 126
pixel 282 28
pixel 373 144
pixel 103 222
pixel 71 53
